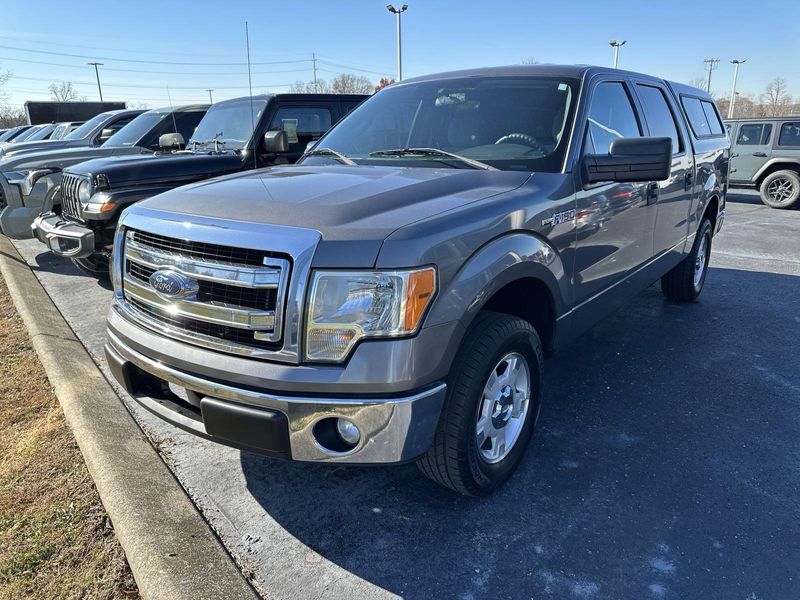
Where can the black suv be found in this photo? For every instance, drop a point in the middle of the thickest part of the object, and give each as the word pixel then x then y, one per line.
pixel 235 135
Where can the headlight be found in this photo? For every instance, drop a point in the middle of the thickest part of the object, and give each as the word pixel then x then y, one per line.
pixel 346 306
pixel 84 192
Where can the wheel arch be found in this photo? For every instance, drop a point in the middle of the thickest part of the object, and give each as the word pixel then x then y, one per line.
pixel 776 164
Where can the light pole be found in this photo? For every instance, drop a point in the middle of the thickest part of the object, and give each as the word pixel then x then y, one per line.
pixel 616 45
pixel 736 63
pixel 97 74
pixel 398 12
pixel 210 97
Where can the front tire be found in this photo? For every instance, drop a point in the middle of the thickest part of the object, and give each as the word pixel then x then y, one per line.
pixel 491 409
pixel 685 281
pixel 780 189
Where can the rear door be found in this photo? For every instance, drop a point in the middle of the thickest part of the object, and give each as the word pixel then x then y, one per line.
pixel 674 194
pixel 751 148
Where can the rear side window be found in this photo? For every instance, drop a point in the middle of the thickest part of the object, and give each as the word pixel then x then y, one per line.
pixel 611 117
pixel 790 135
pixel 702 117
pixel 754 134
pixel 302 124
pixel 659 115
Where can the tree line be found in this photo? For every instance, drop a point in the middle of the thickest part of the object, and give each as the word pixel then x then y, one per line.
pixel 774 101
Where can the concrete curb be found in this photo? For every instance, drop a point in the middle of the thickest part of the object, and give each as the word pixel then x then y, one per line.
pixel 170 548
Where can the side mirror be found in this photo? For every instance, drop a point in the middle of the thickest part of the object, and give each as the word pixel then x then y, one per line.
pixel 170 141
pixel 276 142
pixel 634 159
pixel 105 134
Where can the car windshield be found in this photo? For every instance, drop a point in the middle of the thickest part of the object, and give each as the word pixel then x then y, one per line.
pixel 229 122
pixel 8 134
pixel 25 135
pixel 84 130
pixel 133 132
pixel 41 133
pixel 518 124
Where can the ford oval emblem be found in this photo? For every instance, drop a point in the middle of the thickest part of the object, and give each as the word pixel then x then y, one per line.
pixel 172 285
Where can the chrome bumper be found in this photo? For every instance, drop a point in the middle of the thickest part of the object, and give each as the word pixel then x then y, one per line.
pixel 393 430
pixel 64 238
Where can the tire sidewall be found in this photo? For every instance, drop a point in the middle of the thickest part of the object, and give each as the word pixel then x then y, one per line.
pixel 488 476
pixel 703 232
pixel 763 191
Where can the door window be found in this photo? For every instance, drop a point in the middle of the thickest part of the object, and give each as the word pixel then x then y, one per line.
pixel 302 124
pixel 659 115
pixel 754 134
pixel 611 117
pixel 790 135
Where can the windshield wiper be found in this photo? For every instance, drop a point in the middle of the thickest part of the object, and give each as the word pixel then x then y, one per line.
pixel 475 164
pixel 330 152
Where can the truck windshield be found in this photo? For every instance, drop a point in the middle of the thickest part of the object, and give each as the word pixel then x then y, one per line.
pixel 518 124
pixel 87 128
pixel 41 133
pixel 133 132
pixel 229 122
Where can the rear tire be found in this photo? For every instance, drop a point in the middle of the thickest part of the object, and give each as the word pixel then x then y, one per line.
pixel 96 265
pixel 685 281
pixel 780 189
pixel 499 352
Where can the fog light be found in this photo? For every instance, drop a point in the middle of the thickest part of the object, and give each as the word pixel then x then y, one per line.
pixel 348 431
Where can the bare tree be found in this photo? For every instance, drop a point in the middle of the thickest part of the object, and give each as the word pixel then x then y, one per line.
pixel 776 98
pixel 347 83
pixel 698 82
pixel 309 87
pixel 63 92
pixel 384 82
pixel 529 61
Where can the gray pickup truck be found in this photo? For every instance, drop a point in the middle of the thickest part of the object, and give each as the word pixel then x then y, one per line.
pixel 393 296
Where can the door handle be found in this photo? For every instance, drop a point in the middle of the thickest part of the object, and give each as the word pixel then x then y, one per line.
pixel 651 192
pixel 688 180
pixel 734 155
pixel 760 154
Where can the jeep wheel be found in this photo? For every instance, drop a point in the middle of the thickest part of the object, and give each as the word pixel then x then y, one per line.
pixel 96 265
pixel 780 189
pixel 685 281
pixel 492 406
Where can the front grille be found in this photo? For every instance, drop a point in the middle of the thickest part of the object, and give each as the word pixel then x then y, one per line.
pixel 233 298
pixel 70 205
pixel 202 250
pixel 212 291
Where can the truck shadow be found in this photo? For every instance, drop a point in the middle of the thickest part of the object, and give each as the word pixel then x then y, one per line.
pixel 668 446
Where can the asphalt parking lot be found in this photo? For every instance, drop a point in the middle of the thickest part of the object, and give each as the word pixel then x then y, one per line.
pixel 667 463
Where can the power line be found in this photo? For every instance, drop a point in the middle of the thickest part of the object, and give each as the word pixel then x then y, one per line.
pixel 154 87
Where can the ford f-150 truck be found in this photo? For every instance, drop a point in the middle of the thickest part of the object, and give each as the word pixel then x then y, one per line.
pixel 235 135
pixel 30 183
pixel 392 297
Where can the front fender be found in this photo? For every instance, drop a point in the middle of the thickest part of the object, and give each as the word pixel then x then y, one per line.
pixel 504 260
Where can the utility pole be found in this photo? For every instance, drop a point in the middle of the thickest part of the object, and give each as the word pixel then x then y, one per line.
pixel 398 12
pixel 711 64
pixel 210 97
pixel 736 62
pixel 97 74
pixel 616 45
pixel 314 61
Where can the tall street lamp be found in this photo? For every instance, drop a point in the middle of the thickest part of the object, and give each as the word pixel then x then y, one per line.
pixel 398 12
pixel 97 74
pixel 616 45
pixel 736 63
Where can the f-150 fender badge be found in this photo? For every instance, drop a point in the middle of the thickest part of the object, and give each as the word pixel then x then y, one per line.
pixel 559 218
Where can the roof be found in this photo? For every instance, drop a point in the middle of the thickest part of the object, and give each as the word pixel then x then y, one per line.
pixel 781 118
pixel 267 97
pixel 184 108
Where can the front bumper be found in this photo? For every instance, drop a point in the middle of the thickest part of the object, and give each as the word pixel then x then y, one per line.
pixel 393 429
pixel 65 238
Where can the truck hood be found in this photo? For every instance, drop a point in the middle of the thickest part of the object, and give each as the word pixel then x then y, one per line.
pixel 38 146
pixel 142 169
pixel 62 157
pixel 350 204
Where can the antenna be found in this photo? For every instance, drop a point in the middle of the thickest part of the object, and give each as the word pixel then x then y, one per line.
pixel 250 84
pixel 172 110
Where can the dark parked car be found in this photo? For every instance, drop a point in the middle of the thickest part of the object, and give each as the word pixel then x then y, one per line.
pixel 393 295
pixel 30 181
pixel 93 132
pixel 10 134
pixel 765 155
pixel 95 192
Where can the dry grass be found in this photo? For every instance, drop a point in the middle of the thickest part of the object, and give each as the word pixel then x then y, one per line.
pixel 55 538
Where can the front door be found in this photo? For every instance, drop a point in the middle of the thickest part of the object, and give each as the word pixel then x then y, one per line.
pixel 613 220
pixel 751 149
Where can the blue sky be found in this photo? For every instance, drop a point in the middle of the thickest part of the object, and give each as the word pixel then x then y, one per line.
pixel 666 39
